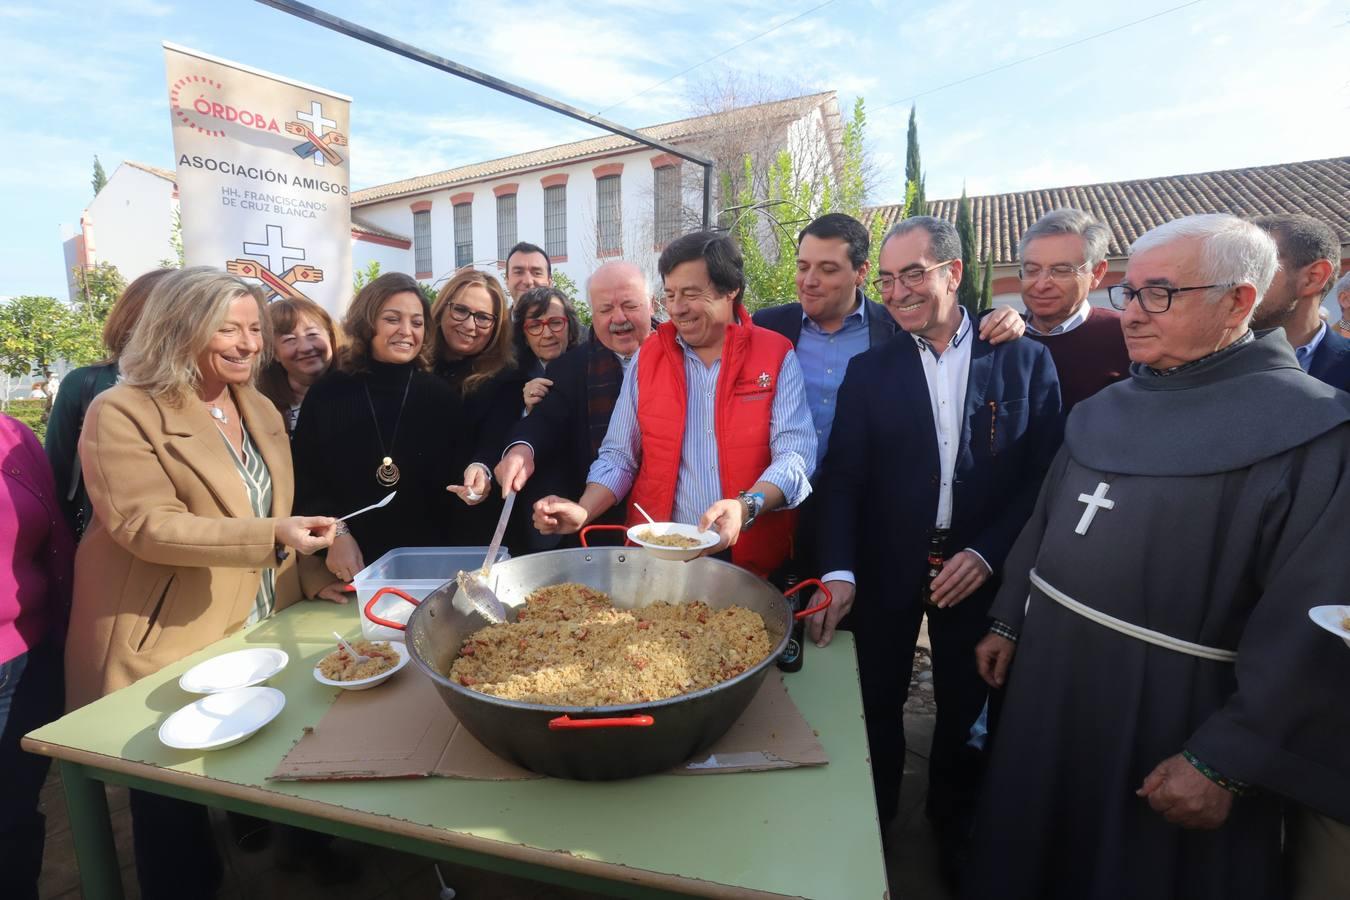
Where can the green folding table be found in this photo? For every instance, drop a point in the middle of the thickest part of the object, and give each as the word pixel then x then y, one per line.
pixel 809 832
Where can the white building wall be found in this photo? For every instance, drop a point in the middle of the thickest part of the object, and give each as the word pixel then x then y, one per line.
pixel 807 136
pixel 636 199
pixel 130 222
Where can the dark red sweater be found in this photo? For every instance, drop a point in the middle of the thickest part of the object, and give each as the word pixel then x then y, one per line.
pixel 1088 358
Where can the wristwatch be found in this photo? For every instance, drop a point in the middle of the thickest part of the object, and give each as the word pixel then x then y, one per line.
pixel 754 502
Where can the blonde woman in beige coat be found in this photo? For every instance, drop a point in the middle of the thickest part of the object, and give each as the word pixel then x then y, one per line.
pixel 188 469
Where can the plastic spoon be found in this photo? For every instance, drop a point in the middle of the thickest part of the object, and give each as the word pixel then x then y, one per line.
pixel 357 657
pixel 366 509
pixel 645 514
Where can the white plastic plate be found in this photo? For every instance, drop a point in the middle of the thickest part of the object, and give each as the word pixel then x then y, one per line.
pixel 1330 617
pixel 223 719
pixel 362 684
pixel 242 668
pixel 706 539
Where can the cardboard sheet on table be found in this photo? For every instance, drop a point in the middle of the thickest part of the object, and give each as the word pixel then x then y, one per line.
pixel 402 729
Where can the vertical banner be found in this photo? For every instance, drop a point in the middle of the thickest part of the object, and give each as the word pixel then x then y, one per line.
pixel 262 177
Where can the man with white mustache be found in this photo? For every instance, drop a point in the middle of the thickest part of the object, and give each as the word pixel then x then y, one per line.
pixel 562 435
pixel 711 425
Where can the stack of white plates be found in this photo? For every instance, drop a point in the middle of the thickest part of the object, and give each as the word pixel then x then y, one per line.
pixel 234 707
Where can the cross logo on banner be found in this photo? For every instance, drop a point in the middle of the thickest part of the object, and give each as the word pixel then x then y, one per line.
pixel 276 284
pixel 318 146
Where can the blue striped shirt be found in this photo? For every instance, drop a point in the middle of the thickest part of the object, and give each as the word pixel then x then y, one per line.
pixel 792 440
pixel 824 357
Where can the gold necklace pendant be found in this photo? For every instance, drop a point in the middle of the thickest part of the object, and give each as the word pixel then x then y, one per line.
pixel 387 473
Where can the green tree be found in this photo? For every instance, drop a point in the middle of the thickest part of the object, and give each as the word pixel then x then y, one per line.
pixel 987 283
pixel 765 226
pixel 915 202
pixel 99 287
pixel 967 292
pixel 913 167
pixel 36 333
pixel 100 177
pixel 363 277
pixel 175 241
pixel 563 282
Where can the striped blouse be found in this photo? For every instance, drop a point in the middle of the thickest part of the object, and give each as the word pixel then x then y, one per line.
pixel 258 483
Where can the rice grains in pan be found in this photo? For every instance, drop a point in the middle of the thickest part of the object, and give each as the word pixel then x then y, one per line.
pixel 571 647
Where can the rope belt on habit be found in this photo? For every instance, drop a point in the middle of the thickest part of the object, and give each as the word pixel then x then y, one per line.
pixel 1147 635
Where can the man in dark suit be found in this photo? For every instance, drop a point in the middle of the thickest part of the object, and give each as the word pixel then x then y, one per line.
pixel 832 322
pixel 551 449
pixel 942 442
pixel 1310 259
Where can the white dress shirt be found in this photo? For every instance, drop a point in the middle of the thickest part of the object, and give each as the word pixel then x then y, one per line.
pixel 947 375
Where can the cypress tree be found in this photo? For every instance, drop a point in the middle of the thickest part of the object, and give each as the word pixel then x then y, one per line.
pixel 915 204
pixel 100 177
pixel 967 293
pixel 913 171
pixel 987 283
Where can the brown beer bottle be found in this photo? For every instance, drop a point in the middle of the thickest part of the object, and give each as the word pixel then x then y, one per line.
pixel 935 564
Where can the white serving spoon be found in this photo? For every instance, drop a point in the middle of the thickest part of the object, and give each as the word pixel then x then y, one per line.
pixel 385 502
pixel 646 515
pixel 474 585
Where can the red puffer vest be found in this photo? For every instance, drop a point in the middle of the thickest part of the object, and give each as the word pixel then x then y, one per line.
pixel 746 383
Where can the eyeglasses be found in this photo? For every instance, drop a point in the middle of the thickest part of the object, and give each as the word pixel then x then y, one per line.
pixel 909 277
pixel 1154 298
pixel 1031 272
pixel 555 324
pixel 459 312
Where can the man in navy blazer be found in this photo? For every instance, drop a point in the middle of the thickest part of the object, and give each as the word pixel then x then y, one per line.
pixel 941 443
pixel 1310 260
pixel 831 323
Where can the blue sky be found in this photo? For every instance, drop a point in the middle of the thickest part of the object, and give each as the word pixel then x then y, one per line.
pixel 1215 84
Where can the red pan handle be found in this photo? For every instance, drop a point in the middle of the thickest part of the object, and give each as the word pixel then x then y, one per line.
pixel 829 598
pixel 567 723
pixel 589 528
pixel 380 620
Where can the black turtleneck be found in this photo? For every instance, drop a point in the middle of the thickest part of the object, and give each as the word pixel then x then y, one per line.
pixel 481 421
pixel 337 449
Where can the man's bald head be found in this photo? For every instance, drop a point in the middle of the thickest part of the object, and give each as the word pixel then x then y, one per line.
pixel 621 306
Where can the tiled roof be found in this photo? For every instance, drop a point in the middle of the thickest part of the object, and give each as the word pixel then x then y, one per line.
pixel 1319 188
pixel 359 224
pixel 681 130
pixel 161 173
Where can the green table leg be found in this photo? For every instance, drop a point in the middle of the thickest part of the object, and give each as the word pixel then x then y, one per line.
pixel 91 829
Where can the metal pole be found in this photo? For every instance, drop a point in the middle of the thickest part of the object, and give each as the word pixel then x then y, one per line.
pixel 384 42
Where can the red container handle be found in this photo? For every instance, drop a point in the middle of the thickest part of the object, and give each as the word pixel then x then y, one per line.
pixel 589 528
pixel 567 723
pixel 829 598
pixel 380 620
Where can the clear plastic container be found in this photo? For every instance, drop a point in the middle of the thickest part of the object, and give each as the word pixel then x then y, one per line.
pixel 416 571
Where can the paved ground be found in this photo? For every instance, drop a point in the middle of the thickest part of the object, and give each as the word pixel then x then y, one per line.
pixel 387 875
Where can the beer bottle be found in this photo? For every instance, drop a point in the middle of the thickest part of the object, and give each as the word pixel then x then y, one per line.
pixel 935 563
pixel 791 658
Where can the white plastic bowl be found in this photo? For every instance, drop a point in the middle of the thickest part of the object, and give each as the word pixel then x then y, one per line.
pixel 706 539
pixel 1329 617
pixel 362 684
pixel 222 720
pixel 242 668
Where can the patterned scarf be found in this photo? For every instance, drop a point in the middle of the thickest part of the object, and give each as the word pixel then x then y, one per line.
pixel 604 377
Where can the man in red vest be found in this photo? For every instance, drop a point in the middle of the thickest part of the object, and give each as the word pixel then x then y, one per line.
pixel 711 424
